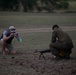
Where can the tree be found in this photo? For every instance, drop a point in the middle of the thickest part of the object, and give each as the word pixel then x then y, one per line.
pixel 28 4
pixel 50 5
pixel 25 5
pixel 9 4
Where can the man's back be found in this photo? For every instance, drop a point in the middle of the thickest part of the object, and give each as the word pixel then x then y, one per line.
pixel 63 37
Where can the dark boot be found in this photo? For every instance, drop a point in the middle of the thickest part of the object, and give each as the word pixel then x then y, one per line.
pixel 67 56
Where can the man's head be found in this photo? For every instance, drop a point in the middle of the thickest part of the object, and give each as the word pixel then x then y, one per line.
pixel 12 29
pixel 55 27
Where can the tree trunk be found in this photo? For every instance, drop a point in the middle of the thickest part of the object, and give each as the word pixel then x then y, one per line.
pixel 25 5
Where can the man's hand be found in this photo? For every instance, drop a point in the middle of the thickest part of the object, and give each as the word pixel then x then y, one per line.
pixel 3 52
pixel 12 35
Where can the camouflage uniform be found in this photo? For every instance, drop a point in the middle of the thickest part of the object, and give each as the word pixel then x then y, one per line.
pixel 60 41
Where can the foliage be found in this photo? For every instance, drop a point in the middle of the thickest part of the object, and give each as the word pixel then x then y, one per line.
pixel 30 5
pixel 62 4
pixel 48 5
pixel 9 4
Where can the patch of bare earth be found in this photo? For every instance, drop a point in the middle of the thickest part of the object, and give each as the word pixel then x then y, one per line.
pixel 28 63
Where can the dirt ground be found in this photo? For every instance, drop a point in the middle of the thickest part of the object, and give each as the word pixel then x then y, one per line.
pixel 28 63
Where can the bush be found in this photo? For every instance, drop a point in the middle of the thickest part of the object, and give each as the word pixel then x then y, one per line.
pixel 63 5
pixel 9 4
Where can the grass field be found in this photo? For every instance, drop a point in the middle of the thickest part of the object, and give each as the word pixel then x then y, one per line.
pixel 26 21
pixel 35 30
pixel 35 20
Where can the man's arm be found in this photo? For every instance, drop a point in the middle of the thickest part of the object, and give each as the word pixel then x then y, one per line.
pixel 5 37
pixel 53 39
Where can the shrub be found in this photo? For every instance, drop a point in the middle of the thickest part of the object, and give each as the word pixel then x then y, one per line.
pixel 62 4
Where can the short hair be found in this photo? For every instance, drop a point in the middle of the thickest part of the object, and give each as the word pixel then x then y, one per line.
pixel 11 27
pixel 55 26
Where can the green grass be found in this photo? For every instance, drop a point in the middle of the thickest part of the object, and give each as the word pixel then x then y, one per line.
pixel 72 34
pixel 34 40
pixel 38 40
pixel 36 20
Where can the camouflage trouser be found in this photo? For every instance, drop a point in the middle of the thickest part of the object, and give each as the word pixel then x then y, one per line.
pixel 56 47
